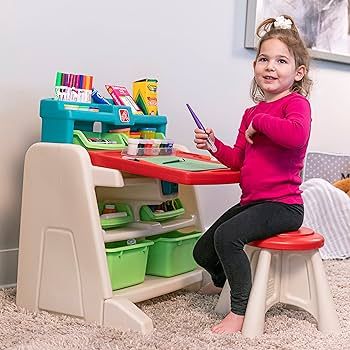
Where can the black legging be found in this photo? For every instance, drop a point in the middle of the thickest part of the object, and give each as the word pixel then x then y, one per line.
pixel 220 249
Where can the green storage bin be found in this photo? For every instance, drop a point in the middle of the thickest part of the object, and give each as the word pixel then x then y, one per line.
pixel 118 221
pixel 127 263
pixel 82 138
pixel 172 254
pixel 146 214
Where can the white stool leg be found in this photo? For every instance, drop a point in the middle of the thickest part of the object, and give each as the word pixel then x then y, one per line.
pixel 223 306
pixel 327 316
pixel 255 314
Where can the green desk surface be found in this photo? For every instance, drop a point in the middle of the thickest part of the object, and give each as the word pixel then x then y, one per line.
pixel 183 163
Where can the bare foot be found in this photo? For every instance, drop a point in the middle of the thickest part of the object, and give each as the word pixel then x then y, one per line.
pixel 210 289
pixel 232 323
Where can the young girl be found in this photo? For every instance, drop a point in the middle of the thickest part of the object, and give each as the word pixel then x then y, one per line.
pixel 269 152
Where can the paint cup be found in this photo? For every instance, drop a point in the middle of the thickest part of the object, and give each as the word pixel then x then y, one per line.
pixel 132 149
pixel 141 147
pixel 156 146
pixel 148 133
pixel 125 131
pixel 170 146
pixel 148 147
pixel 135 134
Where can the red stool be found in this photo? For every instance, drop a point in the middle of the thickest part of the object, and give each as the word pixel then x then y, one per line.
pixel 286 268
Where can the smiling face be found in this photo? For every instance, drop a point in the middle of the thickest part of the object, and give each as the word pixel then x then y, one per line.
pixel 275 71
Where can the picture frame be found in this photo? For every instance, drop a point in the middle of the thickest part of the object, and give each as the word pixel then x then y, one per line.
pixel 324 25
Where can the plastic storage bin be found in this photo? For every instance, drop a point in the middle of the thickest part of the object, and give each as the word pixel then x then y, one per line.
pixel 146 213
pixel 108 221
pixel 127 263
pixel 169 187
pixel 171 254
pixel 108 141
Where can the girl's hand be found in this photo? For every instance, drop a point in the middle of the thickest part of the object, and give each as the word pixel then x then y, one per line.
pixel 201 137
pixel 249 133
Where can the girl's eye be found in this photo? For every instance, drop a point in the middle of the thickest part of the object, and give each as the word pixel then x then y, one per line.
pixel 262 59
pixel 282 60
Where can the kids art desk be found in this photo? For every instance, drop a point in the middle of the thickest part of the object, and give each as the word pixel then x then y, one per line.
pixel 62 258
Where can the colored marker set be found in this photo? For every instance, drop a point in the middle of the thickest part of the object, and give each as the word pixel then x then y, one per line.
pixel 73 87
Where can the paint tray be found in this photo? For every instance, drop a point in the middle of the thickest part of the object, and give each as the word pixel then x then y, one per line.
pixel 146 214
pixel 99 140
pixel 109 221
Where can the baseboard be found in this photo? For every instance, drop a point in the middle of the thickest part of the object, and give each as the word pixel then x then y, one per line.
pixel 8 267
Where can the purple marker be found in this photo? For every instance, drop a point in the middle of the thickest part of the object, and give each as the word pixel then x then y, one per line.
pixel 201 126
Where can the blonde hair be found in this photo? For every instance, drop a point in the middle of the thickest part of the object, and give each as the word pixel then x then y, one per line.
pixel 291 38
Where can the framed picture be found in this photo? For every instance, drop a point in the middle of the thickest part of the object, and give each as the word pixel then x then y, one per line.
pixel 323 24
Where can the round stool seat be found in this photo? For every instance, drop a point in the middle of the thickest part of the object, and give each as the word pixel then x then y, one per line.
pixel 302 239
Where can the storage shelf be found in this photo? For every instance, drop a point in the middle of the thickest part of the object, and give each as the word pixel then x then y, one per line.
pixel 149 228
pixel 154 286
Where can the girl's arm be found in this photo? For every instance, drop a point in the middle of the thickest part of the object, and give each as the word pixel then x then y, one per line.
pixel 232 157
pixel 291 131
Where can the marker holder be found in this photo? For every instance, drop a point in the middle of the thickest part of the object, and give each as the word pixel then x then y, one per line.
pixel 65 93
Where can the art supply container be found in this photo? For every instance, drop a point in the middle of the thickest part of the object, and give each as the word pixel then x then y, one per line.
pixel 141 147
pixel 98 140
pixel 127 263
pixel 145 95
pixel 148 147
pixel 162 147
pixel 125 131
pixel 156 146
pixel 169 187
pixel 135 134
pixel 148 133
pixel 115 214
pixel 172 253
pixel 166 147
pixel 169 147
pixel 133 145
pixel 147 214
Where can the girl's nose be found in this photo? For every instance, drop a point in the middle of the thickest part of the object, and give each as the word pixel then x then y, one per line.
pixel 270 67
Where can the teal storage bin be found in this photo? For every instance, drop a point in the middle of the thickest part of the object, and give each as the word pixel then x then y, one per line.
pixel 146 214
pixel 127 263
pixel 172 254
pixel 169 187
pixel 61 118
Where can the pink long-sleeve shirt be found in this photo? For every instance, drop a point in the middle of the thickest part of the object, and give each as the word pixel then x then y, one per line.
pixel 271 166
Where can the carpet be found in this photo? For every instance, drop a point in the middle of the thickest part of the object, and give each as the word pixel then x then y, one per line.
pixel 182 321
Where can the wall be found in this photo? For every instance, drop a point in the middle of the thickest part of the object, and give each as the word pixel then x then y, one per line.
pixel 194 48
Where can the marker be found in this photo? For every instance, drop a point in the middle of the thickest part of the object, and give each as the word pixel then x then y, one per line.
pixel 174 161
pixel 98 98
pixel 211 145
pixel 81 81
pixel 58 79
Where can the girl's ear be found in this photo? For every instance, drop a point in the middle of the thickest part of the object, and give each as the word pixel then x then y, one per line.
pixel 300 73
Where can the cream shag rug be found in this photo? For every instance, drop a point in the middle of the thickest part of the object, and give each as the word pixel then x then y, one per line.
pixel 182 321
